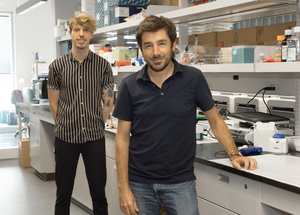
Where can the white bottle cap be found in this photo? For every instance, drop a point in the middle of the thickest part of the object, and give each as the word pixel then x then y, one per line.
pixel 288 32
pixel 296 29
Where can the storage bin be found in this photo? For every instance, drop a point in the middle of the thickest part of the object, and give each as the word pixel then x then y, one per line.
pixel 243 54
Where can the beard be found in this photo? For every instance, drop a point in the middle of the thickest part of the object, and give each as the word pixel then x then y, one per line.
pixel 158 67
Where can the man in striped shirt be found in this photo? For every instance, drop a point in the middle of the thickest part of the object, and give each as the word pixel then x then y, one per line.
pixel 80 90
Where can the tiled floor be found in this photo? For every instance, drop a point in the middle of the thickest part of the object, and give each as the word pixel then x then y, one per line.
pixel 23 193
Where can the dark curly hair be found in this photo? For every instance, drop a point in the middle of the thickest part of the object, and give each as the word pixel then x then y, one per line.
pixel 153 24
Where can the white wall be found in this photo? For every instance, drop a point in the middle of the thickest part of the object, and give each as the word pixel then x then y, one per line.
pixel 8 5
pixel 34 33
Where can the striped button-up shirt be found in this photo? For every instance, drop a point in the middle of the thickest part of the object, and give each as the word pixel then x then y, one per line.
pixel 79 114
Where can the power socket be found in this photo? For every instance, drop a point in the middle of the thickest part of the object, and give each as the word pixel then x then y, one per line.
pixel 273 88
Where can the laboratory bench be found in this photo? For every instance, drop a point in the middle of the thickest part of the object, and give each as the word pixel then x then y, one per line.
pixel 273 188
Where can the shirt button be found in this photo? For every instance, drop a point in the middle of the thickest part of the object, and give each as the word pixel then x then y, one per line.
pixel 162 94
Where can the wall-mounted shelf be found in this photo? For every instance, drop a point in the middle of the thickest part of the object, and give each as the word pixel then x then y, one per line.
pixel 225 10
pixel 287 67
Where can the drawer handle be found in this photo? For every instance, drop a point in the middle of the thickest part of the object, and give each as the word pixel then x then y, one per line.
pixel 223 178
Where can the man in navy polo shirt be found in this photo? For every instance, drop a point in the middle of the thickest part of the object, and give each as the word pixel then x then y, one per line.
pixel 156 141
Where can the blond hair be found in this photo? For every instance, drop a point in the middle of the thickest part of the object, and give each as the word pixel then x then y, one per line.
pixel 84 20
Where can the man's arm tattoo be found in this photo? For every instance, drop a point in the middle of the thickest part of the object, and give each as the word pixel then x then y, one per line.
pixel 109 94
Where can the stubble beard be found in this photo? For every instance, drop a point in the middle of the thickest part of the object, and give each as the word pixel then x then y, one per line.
pixel 167 62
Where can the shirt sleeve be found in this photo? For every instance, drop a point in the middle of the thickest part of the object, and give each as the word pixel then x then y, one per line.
pixel 108 78
pixel 53 79
pixel 123 106
pixel 204 98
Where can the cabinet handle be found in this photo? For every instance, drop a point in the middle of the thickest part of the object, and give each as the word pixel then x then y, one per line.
pixel 115 167
pixel 223 178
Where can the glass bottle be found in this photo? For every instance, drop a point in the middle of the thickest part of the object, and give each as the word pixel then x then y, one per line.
pixel 293 46
pixel 277 51
pixel 288 33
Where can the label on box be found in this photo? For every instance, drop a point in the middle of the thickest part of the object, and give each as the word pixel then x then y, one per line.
pixel 98 1
pixel 105 6
pixel 122 12
pixel 105 20
pixel 98 16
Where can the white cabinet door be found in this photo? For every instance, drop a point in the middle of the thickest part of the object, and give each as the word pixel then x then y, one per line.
pixel 236 193
pixel 208 208
pixel 278 201
pixel 81 191
pixel 35 146
pixel 111 189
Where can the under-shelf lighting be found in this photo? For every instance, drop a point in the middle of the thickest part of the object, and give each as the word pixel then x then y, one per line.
pixel 29 5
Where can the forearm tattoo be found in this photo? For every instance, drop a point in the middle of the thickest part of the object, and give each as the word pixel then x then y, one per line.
pixel 109 94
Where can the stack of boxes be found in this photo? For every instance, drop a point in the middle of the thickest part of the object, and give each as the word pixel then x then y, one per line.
pixel 108 12
pixel 88 6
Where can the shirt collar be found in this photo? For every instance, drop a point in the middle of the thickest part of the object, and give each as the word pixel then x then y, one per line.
pixel 70 56
pixel 143 75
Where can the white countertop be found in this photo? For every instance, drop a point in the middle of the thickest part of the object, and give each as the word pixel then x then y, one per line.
pixel 281 168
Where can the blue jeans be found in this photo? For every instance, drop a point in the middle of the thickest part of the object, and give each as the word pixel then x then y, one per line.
pixel 178 199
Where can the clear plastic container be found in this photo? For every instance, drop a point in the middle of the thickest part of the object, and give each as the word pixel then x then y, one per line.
pixel 101 52
pixel 107 55
pixel 293 46
pixel 288 33
pixel 277 51
pixel 261 58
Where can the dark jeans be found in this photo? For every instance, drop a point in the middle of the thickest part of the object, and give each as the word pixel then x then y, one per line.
pixel 66 157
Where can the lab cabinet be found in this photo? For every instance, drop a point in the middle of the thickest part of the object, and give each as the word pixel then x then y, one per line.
pixel 111 189
pixel 81 191
pixel 278 201
pixel 209 208
pixel 229 191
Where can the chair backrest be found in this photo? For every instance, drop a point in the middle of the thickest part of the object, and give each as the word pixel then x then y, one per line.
pixel 16 96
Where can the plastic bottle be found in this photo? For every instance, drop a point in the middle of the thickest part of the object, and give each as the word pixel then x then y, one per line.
pixel 107 55
pixel 293 46
pixel 277 51
pixel 288 33
pixel 101 52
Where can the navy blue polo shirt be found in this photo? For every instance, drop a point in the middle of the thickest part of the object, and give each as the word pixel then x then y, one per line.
pixel 163 120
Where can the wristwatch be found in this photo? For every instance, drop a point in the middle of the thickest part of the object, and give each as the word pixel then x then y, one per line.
pixel 231 155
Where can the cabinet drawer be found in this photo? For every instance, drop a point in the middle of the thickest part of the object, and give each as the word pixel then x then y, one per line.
pixel 226 189
pixel 209 208
pixel 34 118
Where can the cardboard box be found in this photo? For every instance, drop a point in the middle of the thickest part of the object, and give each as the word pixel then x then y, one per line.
pixel 119 12
pixel 128 2
pixel 163 2
pixel 24 152
pixel 203 39
pixel 271 32
pixel 59 31
pixel 245 36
